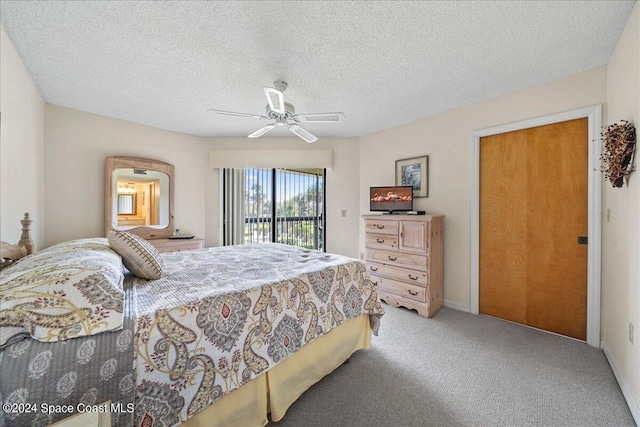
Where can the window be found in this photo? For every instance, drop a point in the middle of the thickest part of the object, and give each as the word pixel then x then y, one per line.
pixel 126 204
pixel 275 205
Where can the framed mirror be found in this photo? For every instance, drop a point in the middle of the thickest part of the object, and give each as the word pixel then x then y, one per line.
pixel 139 196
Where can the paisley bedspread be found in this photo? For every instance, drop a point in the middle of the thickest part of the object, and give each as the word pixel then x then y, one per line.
pixel 222 316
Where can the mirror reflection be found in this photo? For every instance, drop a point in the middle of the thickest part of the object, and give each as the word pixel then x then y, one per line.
pixel 141 198
pixel 126 204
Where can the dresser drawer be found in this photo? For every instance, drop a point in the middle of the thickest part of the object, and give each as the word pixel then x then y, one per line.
pixel 381 227
pixel 414 277
pixel 181 247
pixel 173 245
pixel 417 293
pixel 380 241
pixel 400 259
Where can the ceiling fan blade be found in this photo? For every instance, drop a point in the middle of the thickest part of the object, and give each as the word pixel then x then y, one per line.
pixel 262 131
pixel 320 117
pixel 275 98
pixel 307 136
pixel 233 113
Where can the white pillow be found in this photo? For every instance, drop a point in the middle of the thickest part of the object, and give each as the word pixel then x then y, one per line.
pixel 138 255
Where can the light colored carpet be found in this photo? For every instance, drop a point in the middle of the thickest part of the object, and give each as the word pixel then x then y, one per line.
pixel 459 369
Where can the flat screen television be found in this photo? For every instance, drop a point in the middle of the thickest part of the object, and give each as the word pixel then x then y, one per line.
pixel 391 199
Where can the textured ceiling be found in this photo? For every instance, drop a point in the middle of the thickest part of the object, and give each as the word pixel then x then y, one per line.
pixel 381 63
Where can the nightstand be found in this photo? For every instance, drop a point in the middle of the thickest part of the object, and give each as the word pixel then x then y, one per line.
pixel 172 245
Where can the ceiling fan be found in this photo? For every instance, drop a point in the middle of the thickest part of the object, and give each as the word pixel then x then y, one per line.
pixel 284 114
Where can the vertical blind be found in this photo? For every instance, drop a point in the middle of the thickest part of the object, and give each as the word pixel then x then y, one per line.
pixel 234 206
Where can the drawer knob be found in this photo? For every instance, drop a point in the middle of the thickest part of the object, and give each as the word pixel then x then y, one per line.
pixel 392 258
pixel 374 268
pixel 380 240
pixel 412 277
pixel 380 227
pixel 412 293
pixel 375 283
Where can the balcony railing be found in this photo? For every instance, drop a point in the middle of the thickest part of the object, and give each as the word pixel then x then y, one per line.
pixel 303 231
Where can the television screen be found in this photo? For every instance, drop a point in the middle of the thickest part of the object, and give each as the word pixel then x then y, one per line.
pixel 391 199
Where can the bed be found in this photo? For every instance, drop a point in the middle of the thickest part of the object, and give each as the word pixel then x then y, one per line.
pixel 225 336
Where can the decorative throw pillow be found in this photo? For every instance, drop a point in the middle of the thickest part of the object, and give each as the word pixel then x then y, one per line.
pixel 138 255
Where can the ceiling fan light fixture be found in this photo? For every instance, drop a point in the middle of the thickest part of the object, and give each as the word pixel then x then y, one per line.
pixel 300 132
pixel 262 131
pixel 275 98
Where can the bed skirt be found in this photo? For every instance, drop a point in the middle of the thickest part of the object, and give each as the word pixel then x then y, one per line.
pixel 276 390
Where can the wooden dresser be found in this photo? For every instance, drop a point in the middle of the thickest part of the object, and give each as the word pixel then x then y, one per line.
pixel 172 245
pixel 403 254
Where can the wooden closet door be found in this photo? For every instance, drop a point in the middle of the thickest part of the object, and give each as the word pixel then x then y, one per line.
pixel 533 208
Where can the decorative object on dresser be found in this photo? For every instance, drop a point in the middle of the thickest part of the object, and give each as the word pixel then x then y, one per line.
pixel 11 253
pixel 414 172
pixel 139 195
pixel 403 254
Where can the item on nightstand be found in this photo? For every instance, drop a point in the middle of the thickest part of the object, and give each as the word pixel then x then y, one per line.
pixel 176 235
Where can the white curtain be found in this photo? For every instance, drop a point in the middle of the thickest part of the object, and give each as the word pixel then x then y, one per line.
pixel 234 206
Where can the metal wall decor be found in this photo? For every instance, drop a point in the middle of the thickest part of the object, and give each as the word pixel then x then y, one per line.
pixel 618 149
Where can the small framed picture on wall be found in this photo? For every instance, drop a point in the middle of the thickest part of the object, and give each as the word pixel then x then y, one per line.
pixel 414 172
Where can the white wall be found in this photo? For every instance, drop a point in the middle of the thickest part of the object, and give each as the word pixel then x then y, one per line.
pixel 621 234
pixel 76 144
pixel 75 148
pixel 342 186
pixel 447 139
pixel 21 152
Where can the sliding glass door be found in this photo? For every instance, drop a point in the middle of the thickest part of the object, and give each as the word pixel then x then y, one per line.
pixel 278 205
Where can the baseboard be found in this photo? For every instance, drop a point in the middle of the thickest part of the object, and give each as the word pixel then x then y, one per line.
pixel 633 405
pixel 455 306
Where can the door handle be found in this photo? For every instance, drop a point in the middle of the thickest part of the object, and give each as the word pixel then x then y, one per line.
pixel 373 268
pixel 380 227
pixel 392 258
pixel 412 293
pixel 380 240
pixel 412 277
